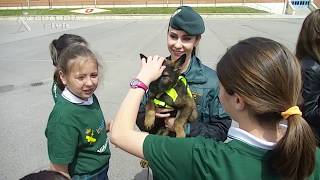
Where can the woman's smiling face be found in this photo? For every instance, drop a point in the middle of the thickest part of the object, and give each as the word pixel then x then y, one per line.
pixel 179 43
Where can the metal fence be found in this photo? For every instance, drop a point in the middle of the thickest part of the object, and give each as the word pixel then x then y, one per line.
pixel 146 3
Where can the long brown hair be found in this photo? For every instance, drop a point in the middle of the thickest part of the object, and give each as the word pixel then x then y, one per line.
pixel 267 76
pixel 308 44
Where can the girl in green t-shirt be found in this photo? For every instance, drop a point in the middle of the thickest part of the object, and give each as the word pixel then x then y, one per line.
pixel 56 47
pixel 260 84
pixel 76 131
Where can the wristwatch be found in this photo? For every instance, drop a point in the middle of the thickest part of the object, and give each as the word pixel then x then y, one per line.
pixel 136 83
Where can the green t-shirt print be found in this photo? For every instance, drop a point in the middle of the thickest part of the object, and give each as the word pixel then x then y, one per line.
pixel 77 136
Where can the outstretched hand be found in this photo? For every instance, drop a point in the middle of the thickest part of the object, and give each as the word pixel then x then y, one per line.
pixel 151 69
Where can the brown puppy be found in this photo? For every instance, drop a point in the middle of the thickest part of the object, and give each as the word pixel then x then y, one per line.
pixel 171 90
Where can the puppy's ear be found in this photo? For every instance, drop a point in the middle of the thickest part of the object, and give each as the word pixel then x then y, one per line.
pixel 143 56
pixel 179 62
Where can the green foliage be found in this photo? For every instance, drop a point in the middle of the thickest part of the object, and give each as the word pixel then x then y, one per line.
pixel 143 10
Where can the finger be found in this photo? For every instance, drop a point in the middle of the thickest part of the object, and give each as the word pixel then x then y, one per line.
pixel 164 110
pixel 150 58
pixel 156 58
pixel 162 115
pixel 160 60
pixel 144 61
pixel 162 68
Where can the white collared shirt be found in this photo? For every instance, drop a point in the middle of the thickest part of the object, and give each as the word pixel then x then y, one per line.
pixel 244 136
pixel 66 94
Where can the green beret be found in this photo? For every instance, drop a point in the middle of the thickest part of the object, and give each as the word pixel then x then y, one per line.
pixel 186 19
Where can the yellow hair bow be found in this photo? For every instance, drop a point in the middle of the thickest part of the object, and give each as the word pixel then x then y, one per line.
pixel 294 110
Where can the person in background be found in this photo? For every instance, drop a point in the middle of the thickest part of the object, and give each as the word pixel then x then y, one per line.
pixel 261 148
pixel 308 52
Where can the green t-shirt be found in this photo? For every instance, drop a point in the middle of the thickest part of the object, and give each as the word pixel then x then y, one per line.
pixel 55 91
pixel 77 136
pixel 199 158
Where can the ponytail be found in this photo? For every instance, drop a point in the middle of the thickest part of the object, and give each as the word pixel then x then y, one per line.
pixel 58 45
pixel 55 60
pixel 294 155
pixel 53 52
pixel 56 78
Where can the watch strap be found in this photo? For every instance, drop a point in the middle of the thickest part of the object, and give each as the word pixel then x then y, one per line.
pixel 137 83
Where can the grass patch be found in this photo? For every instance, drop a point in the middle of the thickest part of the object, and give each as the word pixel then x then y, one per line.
pixel 144 10
pixel 20 12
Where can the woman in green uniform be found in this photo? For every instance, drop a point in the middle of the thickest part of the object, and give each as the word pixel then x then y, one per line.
pixel 260 85
pixel 183 37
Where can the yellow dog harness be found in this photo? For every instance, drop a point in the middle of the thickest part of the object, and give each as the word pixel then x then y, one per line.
pixel 172 93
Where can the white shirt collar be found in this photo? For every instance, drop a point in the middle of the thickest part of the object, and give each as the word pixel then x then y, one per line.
pixel 66 94
pixel 244 136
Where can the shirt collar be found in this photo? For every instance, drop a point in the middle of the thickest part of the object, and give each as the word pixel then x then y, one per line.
pixel 244 136
pixel 195 71
pixel 66 94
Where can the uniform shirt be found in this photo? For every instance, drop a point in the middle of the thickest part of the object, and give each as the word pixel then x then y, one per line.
pixel 76 135
pixel 212 120
pixel 55 91
pixel 243 157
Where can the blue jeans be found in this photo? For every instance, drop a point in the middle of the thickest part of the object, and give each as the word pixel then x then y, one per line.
pixel 100 175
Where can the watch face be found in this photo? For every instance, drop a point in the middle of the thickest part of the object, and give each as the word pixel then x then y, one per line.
pixel 134 83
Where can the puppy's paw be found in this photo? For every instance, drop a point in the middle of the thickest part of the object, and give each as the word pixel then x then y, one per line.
pixel 180 133
pixel 149 120
pixel 148 125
